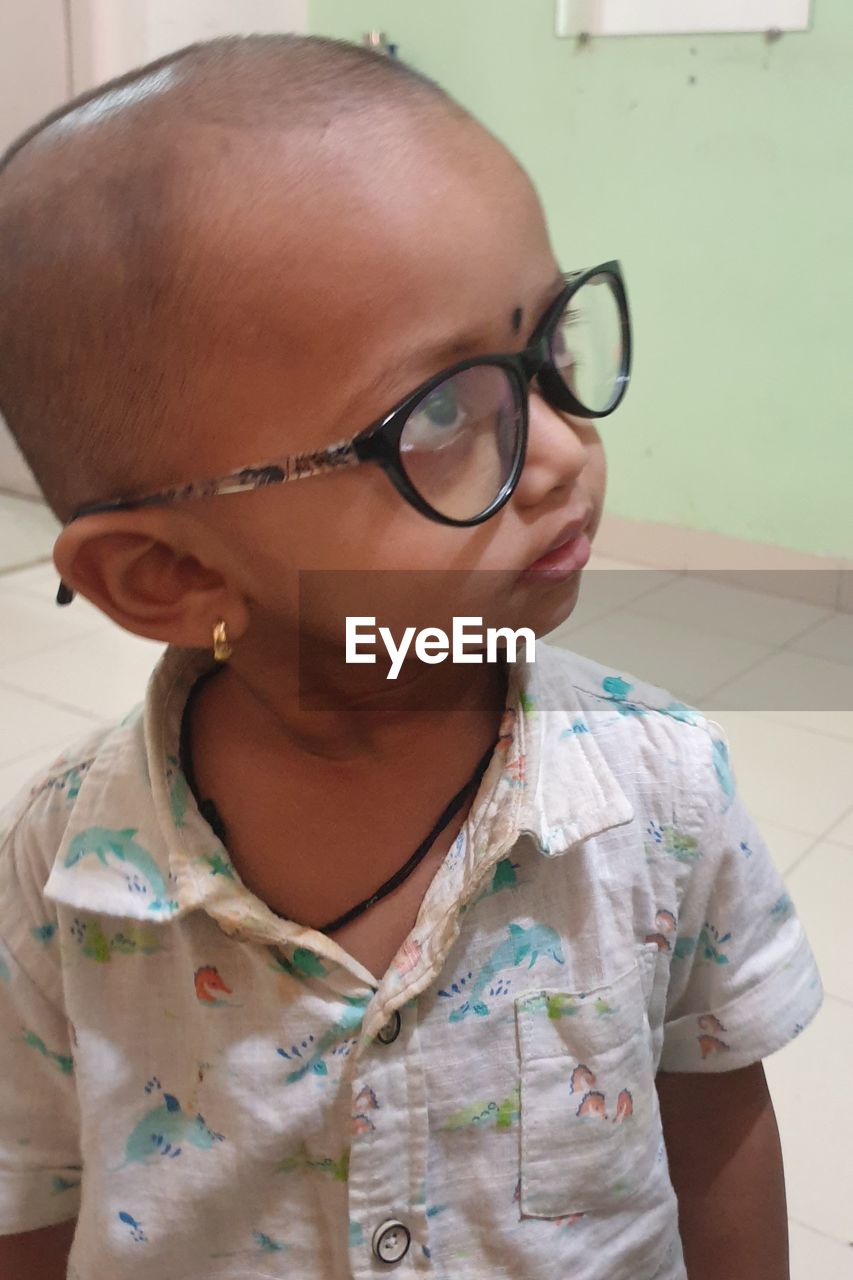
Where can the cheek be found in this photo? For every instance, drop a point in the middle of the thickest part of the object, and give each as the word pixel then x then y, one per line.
pixel 326 548
pixel 595 475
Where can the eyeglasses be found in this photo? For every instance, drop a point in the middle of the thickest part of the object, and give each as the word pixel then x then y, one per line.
pixel 455 447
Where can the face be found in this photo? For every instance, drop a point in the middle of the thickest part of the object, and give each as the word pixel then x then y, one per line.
pixel 390 264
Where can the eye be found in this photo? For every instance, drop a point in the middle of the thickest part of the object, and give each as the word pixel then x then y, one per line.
pixel 437 419
pixel 562 347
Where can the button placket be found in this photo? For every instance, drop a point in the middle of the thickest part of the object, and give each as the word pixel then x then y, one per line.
pixel 389 1146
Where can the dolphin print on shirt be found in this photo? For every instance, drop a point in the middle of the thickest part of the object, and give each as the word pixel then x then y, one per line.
pixel 164 1132
pixel 105 840
pixel 522 944
pixel 349 1022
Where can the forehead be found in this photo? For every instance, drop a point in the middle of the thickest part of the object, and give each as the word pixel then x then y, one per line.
pixel 349 271
pixel 385 237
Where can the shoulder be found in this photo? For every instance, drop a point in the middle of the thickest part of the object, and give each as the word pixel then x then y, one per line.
pixel 647 735
pixel 34 822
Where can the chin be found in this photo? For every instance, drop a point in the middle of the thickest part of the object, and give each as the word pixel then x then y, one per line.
pixel 546 608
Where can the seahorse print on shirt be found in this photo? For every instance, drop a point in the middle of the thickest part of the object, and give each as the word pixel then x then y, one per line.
pixel 209 987
pixel 710 1043
pixel 666 925
pixel 364 1102
pixel 594 1103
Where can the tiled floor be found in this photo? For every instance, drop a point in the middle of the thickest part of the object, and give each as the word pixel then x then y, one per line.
pixel 27 530
pixel 62 671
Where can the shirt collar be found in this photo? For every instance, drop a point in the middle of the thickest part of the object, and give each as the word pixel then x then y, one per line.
pixel 136 845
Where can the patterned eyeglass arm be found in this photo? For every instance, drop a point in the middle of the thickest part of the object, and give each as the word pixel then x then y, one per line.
pixel 297 466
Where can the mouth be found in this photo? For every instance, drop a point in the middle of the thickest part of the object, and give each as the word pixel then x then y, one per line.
pixel 569 552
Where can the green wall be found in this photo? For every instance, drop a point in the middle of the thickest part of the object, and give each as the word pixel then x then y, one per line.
pixel 720 170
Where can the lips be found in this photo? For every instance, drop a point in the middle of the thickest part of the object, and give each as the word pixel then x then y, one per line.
pixel 568 532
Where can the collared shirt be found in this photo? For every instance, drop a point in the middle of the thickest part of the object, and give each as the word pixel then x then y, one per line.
pixel 216 1091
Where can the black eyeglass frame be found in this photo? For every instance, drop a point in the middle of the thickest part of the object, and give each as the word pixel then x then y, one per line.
pixel 380 441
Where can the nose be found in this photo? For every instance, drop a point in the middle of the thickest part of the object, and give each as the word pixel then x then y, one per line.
pixel 556 453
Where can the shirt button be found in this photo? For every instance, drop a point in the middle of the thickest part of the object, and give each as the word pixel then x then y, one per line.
pixel 391 1030
pixel 391 1241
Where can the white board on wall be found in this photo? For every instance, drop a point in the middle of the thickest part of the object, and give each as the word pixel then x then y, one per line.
pixel 659 17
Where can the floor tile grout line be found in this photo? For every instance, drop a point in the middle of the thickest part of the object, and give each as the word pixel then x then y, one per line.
pixel 830 995
pixel 60 642
pixel 641 596
pixel 823 838
pixel 804 728
pixel 813 626
pixel 757 663
pixel 818 1231
pixel 8 571
pixel 775 647
pixel 51 702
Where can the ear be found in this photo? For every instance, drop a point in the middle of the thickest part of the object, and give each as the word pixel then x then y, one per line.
pixel 155 573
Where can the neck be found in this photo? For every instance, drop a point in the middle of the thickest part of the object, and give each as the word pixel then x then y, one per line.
pixel 353 714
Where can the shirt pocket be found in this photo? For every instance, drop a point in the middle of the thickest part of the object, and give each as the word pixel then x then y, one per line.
pixel 590 1123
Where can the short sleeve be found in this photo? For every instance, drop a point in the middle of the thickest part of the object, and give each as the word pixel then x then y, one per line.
pixel 40 1163
pixel 743 980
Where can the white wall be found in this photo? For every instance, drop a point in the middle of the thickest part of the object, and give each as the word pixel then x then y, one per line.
pixel 109 37
pixel 52 49
pixel 34 78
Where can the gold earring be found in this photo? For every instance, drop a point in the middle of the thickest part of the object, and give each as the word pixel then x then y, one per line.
pixel 222 650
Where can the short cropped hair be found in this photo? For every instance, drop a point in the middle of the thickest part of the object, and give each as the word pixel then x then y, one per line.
pixel 97 336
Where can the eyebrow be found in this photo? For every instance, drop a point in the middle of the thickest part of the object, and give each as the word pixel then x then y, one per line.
pixel 455 347
pixel 450 350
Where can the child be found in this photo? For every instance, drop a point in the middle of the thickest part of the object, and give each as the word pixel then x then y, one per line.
pixel 262 1014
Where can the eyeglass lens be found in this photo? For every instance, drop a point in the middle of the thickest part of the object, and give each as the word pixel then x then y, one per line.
pixel 588 346
pixel 459 444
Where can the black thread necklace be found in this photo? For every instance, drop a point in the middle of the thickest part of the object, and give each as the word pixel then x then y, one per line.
pixel 212 816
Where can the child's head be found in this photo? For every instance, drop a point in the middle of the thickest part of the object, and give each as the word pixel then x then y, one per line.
pixel 255 248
